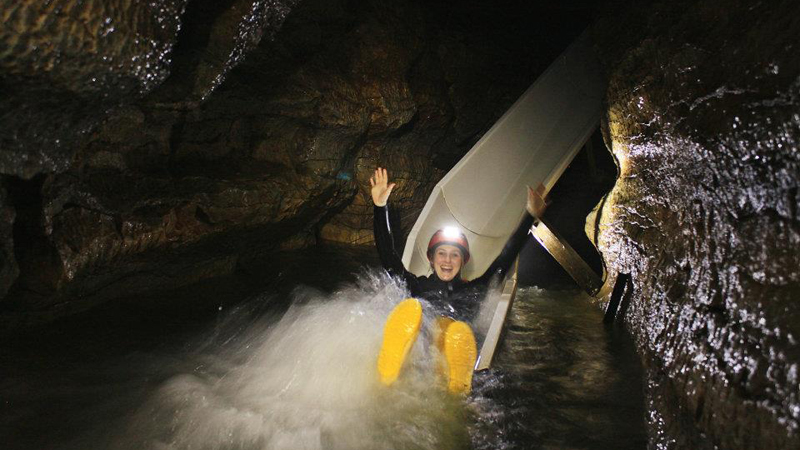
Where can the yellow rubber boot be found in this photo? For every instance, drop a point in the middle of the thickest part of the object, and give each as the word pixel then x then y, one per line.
pixel 439 330
pixel 399 334
pixel 460 351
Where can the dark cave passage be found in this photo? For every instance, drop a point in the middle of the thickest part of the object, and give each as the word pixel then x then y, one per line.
pixel 185 212
pixel 589 177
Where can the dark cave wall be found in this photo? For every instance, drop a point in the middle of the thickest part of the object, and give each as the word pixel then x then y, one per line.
pixel 257 130
pixel 61 61
pixel 148 145
pixel 66 67
pixel 703 121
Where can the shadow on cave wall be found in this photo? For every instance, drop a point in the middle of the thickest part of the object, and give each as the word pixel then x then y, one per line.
pixel 589 177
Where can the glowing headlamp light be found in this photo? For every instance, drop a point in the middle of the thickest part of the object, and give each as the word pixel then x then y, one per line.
pixel 451 232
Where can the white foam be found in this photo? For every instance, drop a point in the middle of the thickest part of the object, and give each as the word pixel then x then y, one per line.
pixel 307 381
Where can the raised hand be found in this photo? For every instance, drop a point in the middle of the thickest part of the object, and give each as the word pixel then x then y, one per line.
pixel 381 188
pixel 537 201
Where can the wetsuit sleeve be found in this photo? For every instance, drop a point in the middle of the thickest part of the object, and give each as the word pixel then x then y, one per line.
pixel 513 246
pixel 384 242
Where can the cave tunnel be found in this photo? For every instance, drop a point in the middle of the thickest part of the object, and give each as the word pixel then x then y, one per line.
pixel 187 255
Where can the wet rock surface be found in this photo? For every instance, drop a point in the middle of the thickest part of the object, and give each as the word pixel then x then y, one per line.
pixel 76 79
pixel 64 62
pixel 703 121
pixel 236 129
pixel 150 145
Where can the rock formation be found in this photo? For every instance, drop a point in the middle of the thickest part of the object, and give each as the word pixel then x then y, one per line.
pixel 703 121
pixel 181 139
pixel 147 145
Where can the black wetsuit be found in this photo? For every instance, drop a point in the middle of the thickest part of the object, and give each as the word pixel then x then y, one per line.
pixel 456 298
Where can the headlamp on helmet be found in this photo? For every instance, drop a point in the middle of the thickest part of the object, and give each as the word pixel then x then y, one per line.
pixel 449 236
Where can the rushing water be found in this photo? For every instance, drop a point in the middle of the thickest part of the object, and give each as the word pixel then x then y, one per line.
pixel 303 376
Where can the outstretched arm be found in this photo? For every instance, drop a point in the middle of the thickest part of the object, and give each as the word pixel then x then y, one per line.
pixel 384 240
pixel 381 188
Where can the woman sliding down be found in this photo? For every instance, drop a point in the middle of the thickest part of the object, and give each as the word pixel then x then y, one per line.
pixel 456 299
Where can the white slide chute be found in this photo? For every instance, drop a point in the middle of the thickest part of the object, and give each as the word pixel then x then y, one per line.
pixel 533 142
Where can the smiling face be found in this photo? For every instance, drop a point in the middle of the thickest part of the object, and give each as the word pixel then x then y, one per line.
pixel 447 261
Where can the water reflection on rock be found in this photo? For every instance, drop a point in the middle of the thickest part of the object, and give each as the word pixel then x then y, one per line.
pixel 703 122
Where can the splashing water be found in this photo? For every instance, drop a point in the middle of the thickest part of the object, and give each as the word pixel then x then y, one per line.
pixel 299 372
pixel 307 381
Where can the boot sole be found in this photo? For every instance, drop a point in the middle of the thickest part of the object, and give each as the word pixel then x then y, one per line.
pixel 399 334
pixel 460 352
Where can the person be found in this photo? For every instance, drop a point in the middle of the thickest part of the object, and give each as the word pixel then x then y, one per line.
pixel 455 299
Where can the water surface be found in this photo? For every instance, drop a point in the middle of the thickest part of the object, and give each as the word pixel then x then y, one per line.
pixel 295 368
